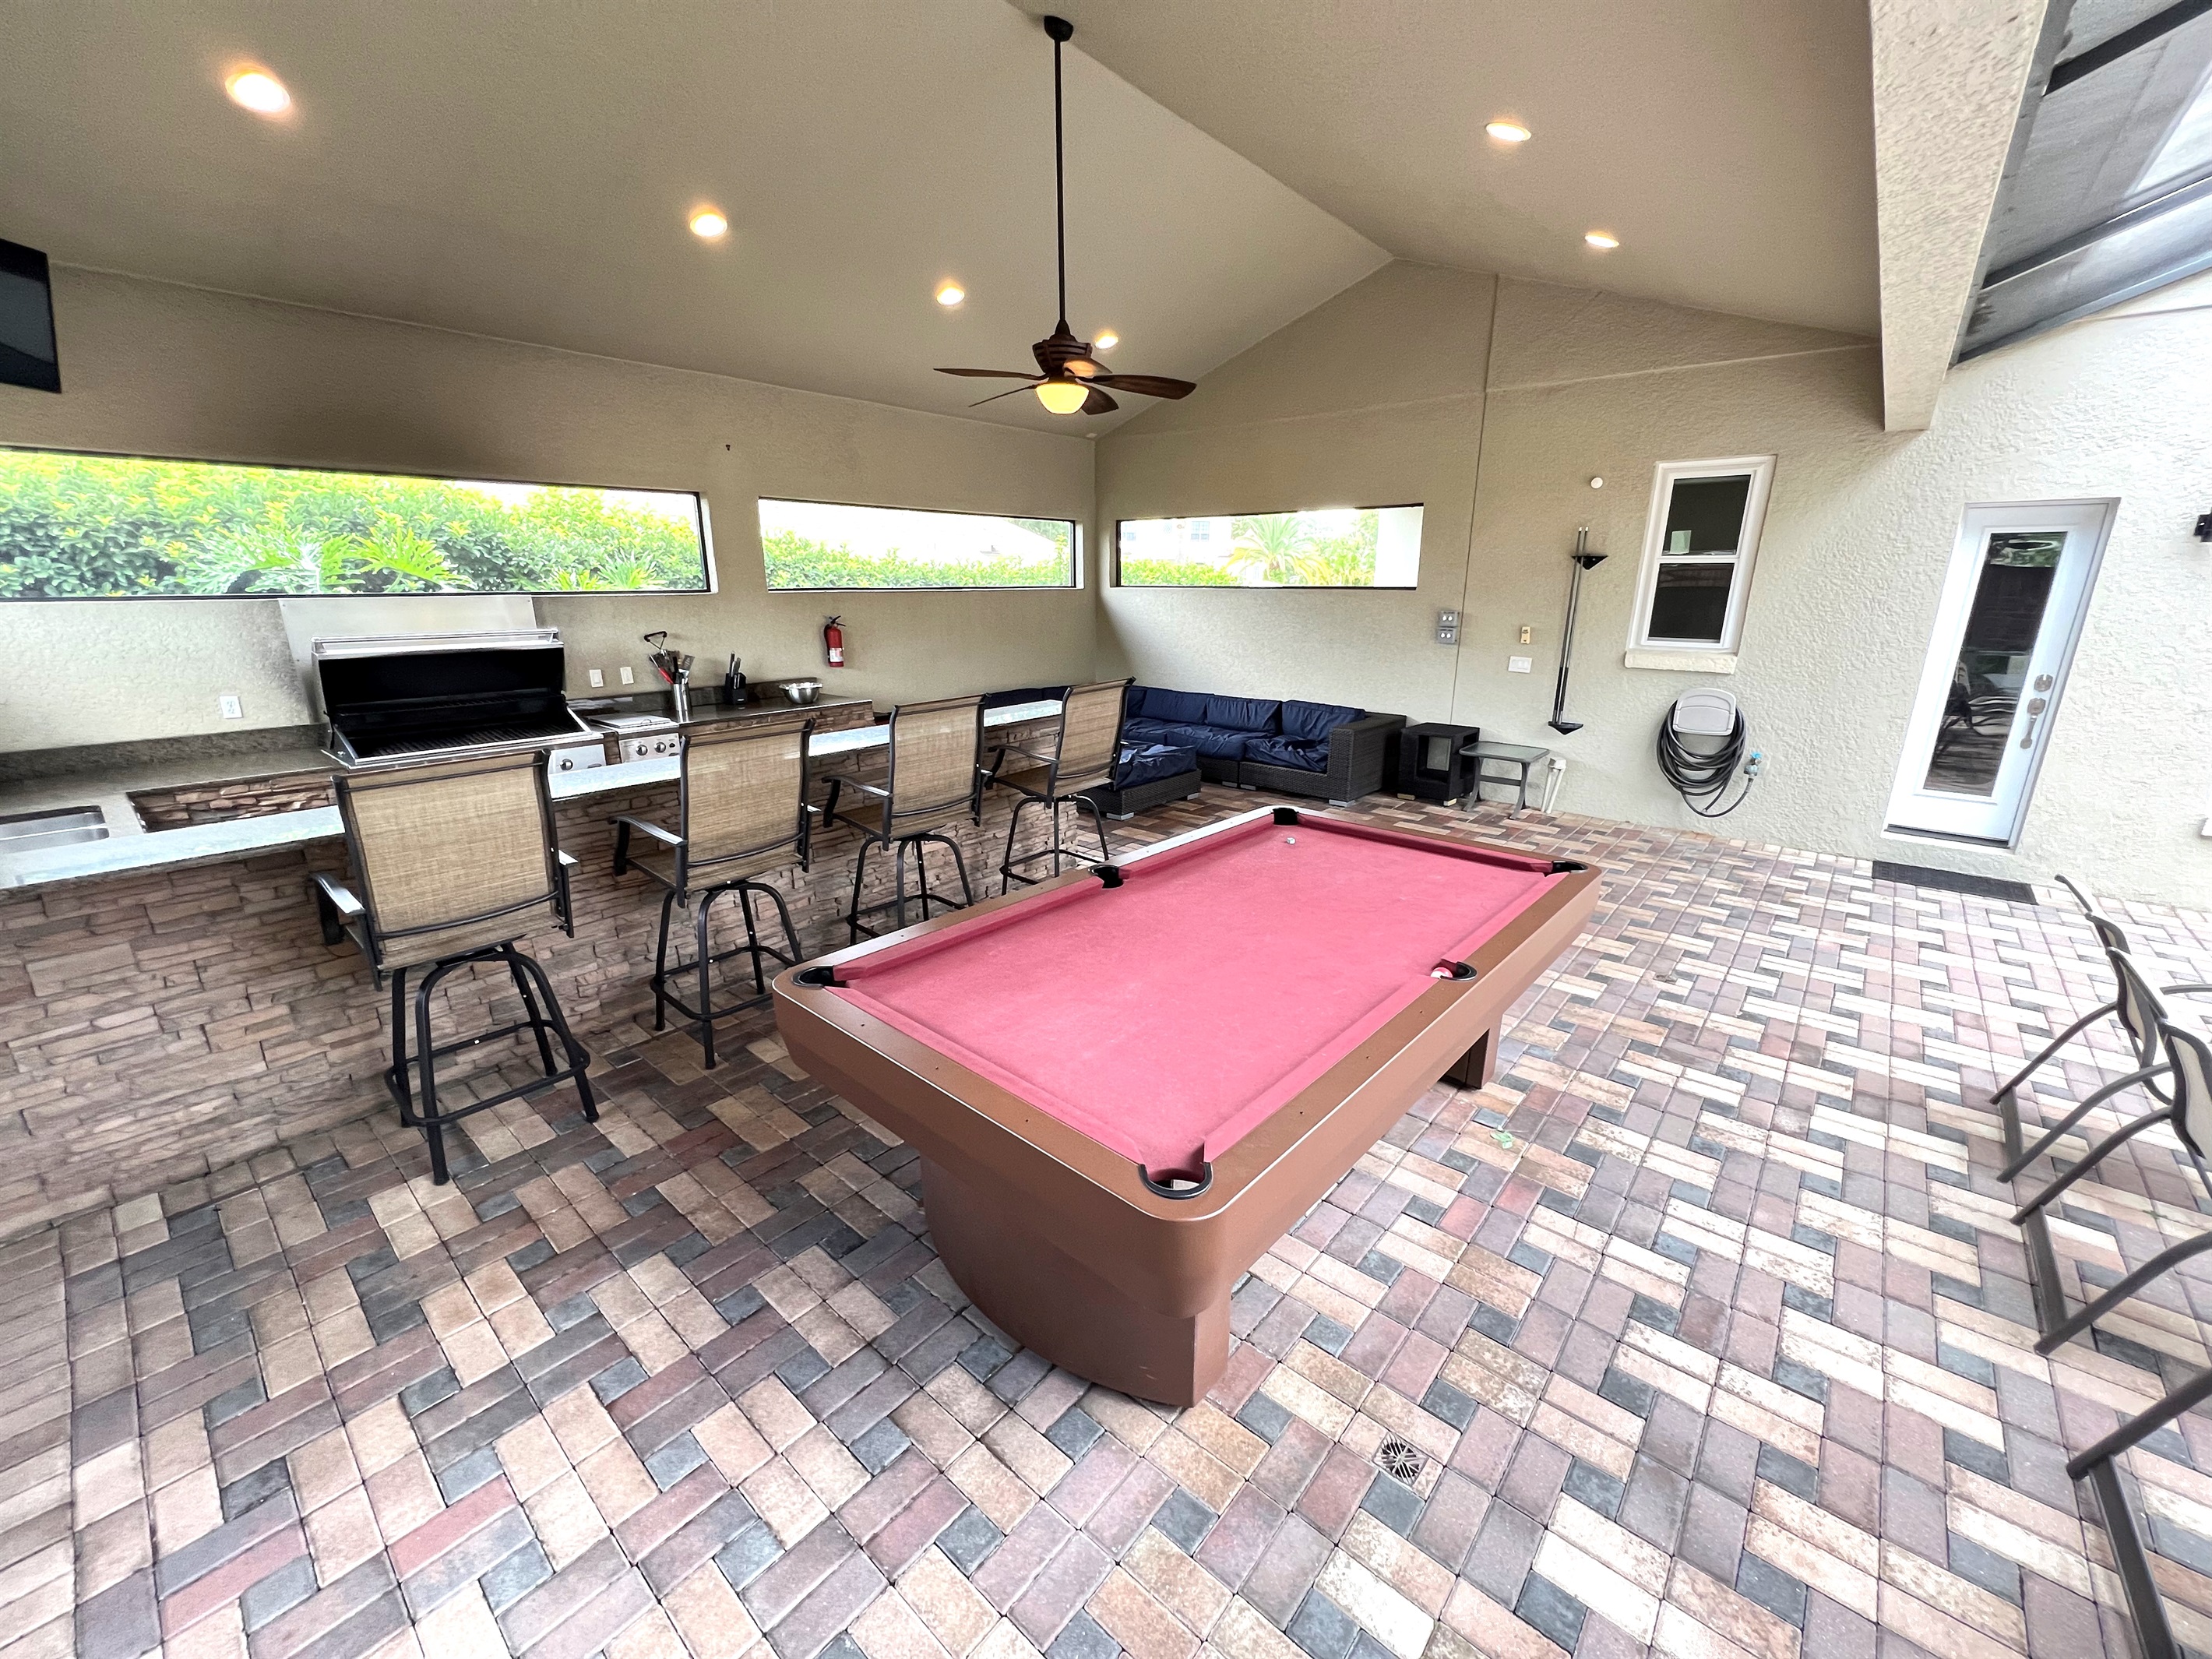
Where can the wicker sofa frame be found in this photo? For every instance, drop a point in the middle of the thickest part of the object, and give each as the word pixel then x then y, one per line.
pixel 1359 753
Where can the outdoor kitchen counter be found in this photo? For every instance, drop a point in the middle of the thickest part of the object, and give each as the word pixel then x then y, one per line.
pixel 130 848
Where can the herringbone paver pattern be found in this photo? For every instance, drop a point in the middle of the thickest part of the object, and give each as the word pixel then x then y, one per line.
pixel 1704 1326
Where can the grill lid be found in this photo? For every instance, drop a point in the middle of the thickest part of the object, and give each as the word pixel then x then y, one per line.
pixel 396 697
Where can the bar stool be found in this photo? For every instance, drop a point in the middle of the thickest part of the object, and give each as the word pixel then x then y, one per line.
pixel 740 811
pixel 935 777
pixel 457 860
pixel 1081 757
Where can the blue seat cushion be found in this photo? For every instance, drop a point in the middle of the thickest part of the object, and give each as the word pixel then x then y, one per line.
pixel 1303 753
pixel 1314 722
pixel 1242 714
pixel 1207 739
pixel 1185 708
pixel 1147 763
pixel 1136 729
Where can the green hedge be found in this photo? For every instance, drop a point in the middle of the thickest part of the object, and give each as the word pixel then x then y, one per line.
pixel 87 526
pixel 794 560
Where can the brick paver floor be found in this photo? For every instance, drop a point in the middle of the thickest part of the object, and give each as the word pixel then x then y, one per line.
pixel 1702 1330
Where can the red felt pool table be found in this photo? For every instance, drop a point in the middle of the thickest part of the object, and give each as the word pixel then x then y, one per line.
pixel 1125 1084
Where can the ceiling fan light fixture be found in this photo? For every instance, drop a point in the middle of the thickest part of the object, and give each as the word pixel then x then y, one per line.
pixel 255 88
pixel 1063 396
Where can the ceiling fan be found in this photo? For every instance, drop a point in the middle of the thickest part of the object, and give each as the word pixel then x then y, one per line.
pixel 1073 381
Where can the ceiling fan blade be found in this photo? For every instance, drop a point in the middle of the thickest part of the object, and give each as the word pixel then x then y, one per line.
pixel 992 373
pixel 1151 385
pixel 995 396
pixel 1098 403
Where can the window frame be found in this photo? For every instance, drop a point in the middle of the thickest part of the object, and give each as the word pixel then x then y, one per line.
pixel 1075 584
pixel 1744 560
pixel 709 565
pixel 1267 588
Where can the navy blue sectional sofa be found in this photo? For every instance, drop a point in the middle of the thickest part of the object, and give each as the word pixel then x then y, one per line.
pixel 1324 750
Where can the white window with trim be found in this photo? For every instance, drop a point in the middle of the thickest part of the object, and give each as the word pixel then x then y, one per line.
pixel 1699 549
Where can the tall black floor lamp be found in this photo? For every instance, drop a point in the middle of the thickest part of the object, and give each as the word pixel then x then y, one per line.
pixel 1584 559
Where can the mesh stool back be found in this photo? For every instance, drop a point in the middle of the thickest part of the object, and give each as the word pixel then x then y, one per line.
pixel 454 855
pixel 743 793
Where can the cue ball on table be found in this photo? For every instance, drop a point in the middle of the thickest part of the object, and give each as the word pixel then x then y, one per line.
pixel 1290 841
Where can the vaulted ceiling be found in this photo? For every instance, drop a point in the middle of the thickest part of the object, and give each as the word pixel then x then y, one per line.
pixel 524 168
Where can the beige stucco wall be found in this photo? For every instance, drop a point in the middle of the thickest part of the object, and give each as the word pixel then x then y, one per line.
pixel 153 368
pixel 1386 394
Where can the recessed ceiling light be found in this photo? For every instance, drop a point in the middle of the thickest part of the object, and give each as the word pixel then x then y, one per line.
pixel 708 224
pixel 1509 133
pixel 258 90
pixel 951 294
pixel 1599 238
pixel 1107 340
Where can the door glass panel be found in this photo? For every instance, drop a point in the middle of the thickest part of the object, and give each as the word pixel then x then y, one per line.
pixel 1690 599
pixel 2010 596
pixel 1706 515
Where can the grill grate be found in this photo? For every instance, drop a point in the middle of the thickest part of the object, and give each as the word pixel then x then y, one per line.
pixel 1395 1458
pixel 463 741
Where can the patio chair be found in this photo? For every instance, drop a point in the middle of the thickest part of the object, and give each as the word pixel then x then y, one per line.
pixel 2189 1059
pixel 457 860
pixel 2135 1020
pixel 935 777
pixel 1079 758
pixel 740 812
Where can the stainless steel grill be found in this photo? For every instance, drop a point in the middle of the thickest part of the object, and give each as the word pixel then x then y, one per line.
pixel 393 697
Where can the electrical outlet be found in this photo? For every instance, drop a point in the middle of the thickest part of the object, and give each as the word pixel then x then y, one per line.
pixel 598 676
pixel 628 678
pixel 1447 628
pixel 1519 664
pixel 231 709
pixel 1527 634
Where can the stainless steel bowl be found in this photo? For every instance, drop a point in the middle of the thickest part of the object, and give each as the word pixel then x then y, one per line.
pixel 803 692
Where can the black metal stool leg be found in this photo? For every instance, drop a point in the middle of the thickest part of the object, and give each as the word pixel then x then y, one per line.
pixel 752 937
pixel 434 1130
pixel 529 1010
pixel 2051 1136
pixel 1006 864
pixel 706 972
pixel 783 913
pixel 898 882
pixel 960 867
pixel 660 965
pixel 1098 817
pixel 860 864
pixel 580 1058
pixel 397 1077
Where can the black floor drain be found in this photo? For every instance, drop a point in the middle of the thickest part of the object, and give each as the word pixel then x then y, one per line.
pixel 1399 1461
pixel 1950 881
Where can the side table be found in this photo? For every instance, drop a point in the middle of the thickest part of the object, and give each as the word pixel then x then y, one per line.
pixel 1521 757
pixel 1433 761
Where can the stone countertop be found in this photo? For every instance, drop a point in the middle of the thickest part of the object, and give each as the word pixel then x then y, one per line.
pixel 109 789
pixel 137 849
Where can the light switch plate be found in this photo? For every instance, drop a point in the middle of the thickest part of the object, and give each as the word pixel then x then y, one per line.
pixel 627 677
pixel 1527 634
pixel 231 709
pixel 598 676
pixel 1518 664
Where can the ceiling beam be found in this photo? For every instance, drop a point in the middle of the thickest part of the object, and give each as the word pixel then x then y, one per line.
pixel 1950 82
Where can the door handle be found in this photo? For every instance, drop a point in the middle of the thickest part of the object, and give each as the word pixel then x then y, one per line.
pixel 2035 708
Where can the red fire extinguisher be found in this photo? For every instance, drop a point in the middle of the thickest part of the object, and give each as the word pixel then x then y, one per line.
pixel 833 640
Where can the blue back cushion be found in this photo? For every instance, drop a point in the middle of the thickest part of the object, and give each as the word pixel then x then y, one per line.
pixel 1183 708
pixel 1242 714
pixel 1313 721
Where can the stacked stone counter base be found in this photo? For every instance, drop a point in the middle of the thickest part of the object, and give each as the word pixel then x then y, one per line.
pixel 156 1024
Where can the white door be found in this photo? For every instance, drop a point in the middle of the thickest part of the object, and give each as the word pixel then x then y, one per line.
pixel 2011 611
